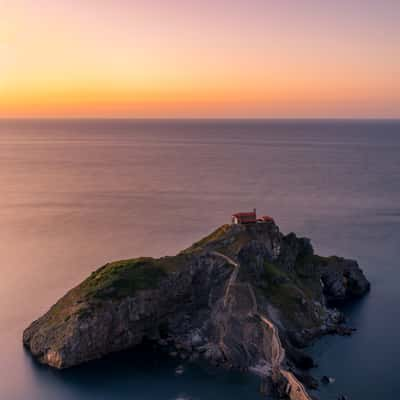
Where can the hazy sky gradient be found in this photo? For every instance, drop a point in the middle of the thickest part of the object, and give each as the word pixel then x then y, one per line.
pixel 220 58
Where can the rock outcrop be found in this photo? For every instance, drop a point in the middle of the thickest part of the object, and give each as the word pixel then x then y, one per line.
pixel 243 297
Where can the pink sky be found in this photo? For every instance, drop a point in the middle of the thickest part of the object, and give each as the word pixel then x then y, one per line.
pixel 220 58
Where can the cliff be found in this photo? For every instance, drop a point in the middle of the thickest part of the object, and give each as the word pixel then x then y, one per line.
pixel 243 297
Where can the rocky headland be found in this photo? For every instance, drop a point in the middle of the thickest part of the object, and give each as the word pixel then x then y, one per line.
pixel 245 297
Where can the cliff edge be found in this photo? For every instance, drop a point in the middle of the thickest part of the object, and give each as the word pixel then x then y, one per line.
pixel 245 297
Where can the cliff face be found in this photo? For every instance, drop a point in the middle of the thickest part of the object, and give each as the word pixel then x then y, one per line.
pixel 239 298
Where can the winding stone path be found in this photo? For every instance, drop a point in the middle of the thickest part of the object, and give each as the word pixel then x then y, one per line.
pixel 295 389
pixel 232 278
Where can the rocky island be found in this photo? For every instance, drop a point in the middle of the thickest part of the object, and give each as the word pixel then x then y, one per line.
pixel 245 297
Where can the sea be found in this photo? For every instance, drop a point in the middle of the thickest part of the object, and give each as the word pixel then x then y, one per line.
pixel 75 194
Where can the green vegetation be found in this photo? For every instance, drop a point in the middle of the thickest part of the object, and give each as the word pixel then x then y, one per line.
pixel 123 278
pixel 279 288
pixel 273 273
pixel 113 281
pixel 286 297
pixel 294 292
pixel 227 239
pixel 216 235
pixel 305 262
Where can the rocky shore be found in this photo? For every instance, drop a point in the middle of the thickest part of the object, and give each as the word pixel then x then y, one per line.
pixel 244 297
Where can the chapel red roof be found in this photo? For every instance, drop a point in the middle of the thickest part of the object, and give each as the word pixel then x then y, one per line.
pixel 266 218
pixel 244 214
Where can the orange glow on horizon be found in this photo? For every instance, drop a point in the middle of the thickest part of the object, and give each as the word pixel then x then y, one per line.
pixel 140 60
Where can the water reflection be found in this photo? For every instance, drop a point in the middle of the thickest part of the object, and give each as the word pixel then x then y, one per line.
pixel 143 374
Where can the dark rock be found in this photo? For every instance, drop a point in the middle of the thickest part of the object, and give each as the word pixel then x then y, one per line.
pixel 327 380
pixel 344 330
pixel 343 280
pixel 308 380
pixel 299 358
pixel 200 303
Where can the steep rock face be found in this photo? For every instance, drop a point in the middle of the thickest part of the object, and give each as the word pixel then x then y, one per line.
pixel 82 327
pixel 220 299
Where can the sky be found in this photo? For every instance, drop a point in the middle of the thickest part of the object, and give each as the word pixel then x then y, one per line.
pixel 205 58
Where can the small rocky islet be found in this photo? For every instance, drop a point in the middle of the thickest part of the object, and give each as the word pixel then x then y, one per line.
pixel 245 297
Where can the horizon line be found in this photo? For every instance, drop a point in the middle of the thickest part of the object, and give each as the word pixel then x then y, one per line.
pixel 222 118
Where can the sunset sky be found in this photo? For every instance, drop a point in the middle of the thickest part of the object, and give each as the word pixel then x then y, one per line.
pixel 205 58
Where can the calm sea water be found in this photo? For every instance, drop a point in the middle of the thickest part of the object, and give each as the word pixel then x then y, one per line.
pixel 77 194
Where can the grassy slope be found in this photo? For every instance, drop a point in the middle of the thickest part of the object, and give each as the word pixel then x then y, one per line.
pixel 224 239
pixel 113 281
pixel 294 293
pixel 213 237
